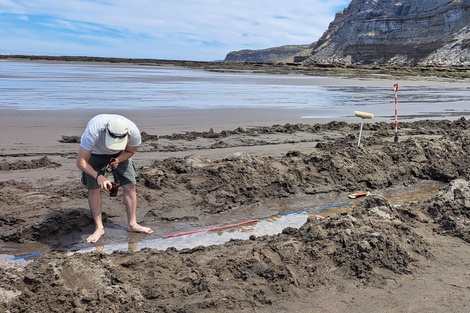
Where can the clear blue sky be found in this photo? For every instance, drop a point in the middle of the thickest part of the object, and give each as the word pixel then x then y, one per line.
pixel 203 30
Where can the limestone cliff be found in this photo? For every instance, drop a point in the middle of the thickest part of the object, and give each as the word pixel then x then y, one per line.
pixel 389 32
pixel 414 32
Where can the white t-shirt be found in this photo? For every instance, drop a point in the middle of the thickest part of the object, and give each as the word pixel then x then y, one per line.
pixel 93 138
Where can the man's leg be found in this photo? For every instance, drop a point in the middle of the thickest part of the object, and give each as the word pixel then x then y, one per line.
pixel 94 201
pixel 130 201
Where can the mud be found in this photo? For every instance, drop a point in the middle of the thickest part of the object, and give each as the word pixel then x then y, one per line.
pixel 25 165
pixel 336 262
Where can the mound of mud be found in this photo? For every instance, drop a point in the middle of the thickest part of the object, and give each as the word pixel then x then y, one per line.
pixel 375 237
pixel 70 139
pixel 27 165
pixel 52 229
pixel 451 209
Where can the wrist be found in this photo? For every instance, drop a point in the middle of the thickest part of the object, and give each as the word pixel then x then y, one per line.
pixel 98 175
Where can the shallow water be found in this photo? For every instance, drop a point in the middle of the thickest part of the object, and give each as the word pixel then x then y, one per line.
pixel 63 86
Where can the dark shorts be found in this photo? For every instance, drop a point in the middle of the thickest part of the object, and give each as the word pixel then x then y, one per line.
pixel 125 172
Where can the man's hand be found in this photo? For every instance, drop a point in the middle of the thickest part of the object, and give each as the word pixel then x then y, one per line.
pixel 125 155
pixel 104 183
pixel 114 163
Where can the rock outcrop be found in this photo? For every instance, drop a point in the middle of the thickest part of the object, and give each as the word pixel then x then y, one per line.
pixel 417 32
pixel 270 55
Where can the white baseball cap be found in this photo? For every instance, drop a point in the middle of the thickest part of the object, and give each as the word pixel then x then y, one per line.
pixel 117 133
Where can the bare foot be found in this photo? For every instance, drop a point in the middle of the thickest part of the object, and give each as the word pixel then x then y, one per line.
pixel 140 229
pixel 95 236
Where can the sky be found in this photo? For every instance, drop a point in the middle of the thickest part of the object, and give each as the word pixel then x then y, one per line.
pixel 195 30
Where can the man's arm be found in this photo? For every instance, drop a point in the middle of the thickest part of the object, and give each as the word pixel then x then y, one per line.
pixel 125 154
pixel 82 162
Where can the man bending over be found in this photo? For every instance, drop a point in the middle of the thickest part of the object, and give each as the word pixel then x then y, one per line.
pixel 110 139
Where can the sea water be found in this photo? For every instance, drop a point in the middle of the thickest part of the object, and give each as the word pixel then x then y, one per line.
pixel 74 85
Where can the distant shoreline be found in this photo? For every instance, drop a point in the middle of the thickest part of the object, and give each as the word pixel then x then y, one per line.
pixel 351 71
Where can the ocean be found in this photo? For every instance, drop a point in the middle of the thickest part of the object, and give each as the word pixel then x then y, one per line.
pixel 64 86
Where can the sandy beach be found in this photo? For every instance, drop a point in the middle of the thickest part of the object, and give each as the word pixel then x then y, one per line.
pixel 403 248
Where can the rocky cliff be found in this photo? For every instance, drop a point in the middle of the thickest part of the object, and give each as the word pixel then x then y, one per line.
pixel 415 32
pixel 389 32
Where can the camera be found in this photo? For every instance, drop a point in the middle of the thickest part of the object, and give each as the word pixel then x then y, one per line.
pixel 114 190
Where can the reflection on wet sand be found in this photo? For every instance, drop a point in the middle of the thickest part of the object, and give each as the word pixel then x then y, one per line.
pixel 271 226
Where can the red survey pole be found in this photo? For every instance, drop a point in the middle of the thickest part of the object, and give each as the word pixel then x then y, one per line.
pixel 395 87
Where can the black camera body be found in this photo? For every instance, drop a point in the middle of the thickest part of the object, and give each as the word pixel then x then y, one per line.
pixel 114 189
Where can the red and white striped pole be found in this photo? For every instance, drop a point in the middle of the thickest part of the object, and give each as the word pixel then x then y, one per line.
pixel 395 87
